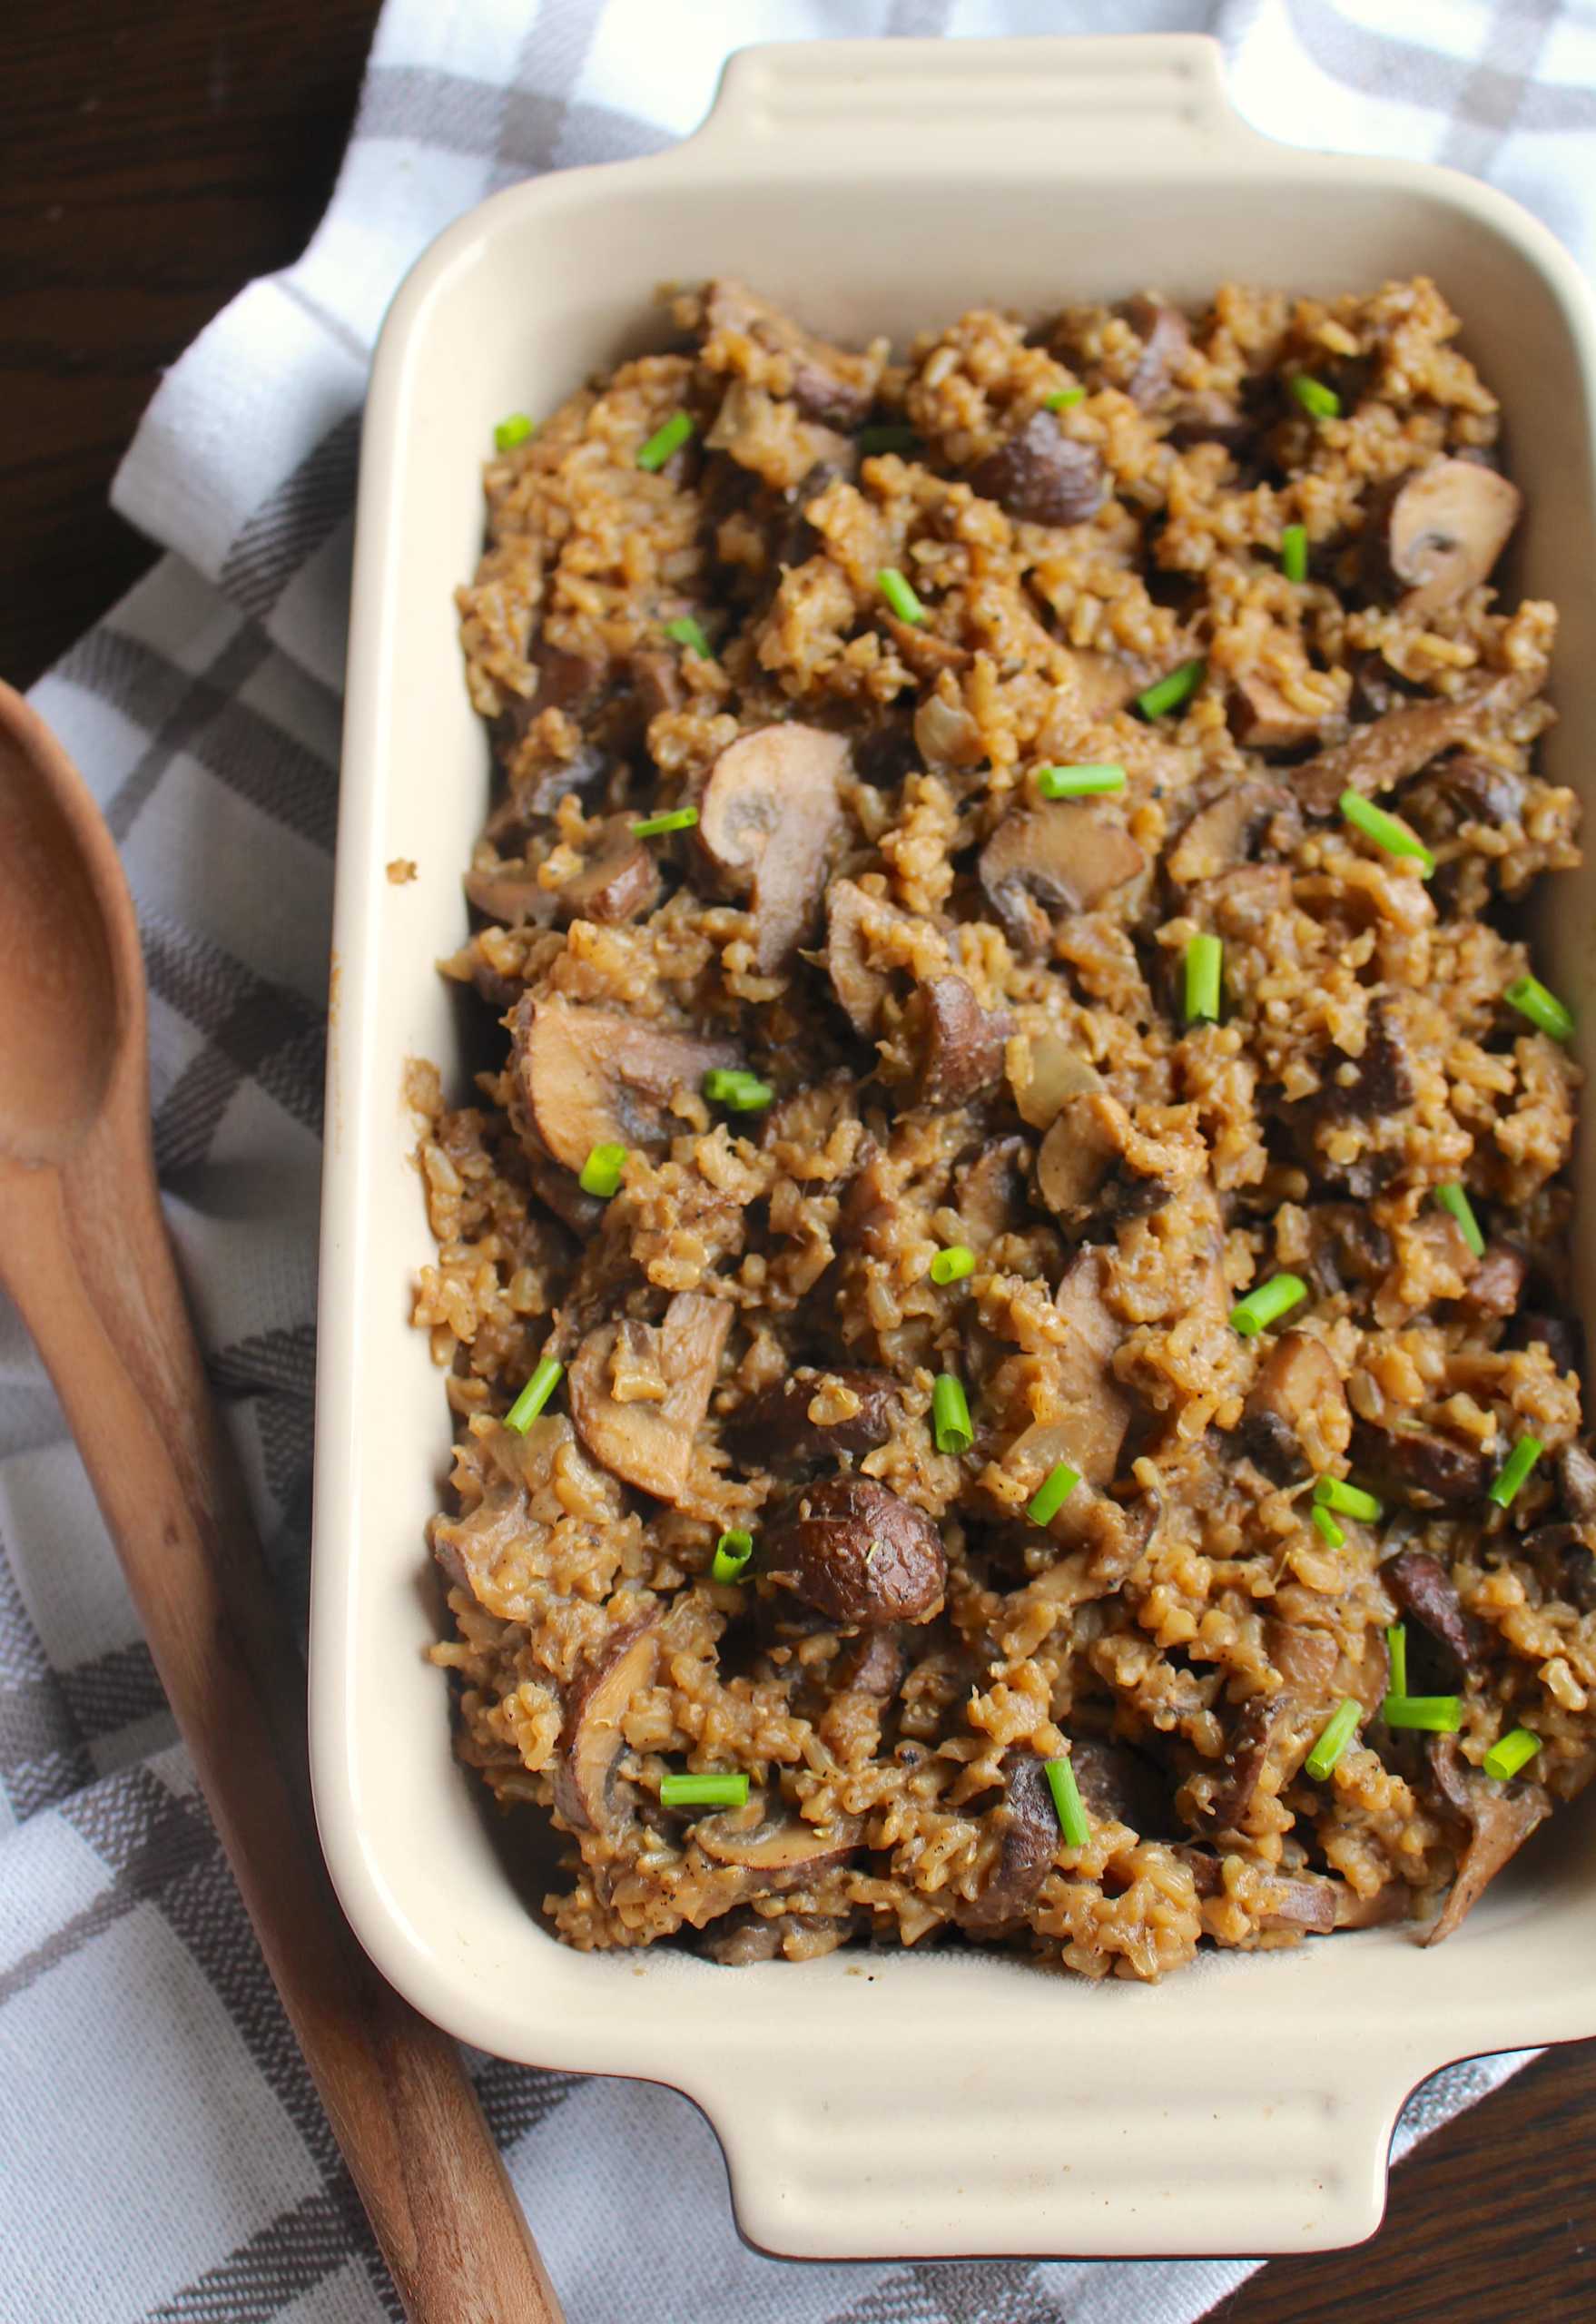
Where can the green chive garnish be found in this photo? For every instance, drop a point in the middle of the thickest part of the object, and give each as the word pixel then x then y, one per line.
pixel 1168 693
pixel 1529 997
pixel 1067 1806
pixel 1336 1736
pixel 512 431
pixel 1063 399
pixel 1266 1304
pixel 665 441
pixel 899 594
pixel 1325 1525
pixel 687 631
pixel 1051 1494
pixel 887 436
pixel 731 1086
pixel 953 1264
pixel 545 1378
pixel 1431 1714
pixel 601 1173
pixel 680 819
pixel 1388 831
pixel 1514 1469
pixel 1294 552
pixel 704 1791
pixel 1316 399
pixel 1352 1501
pixel 732 1553
pixel 1452 1197
pixel 1504 1759
pixel 1396 1655
pixel 950 1415
pixel 1204 961
pixel 1078 782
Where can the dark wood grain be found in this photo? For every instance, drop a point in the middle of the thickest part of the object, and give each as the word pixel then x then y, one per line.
pixel 151 159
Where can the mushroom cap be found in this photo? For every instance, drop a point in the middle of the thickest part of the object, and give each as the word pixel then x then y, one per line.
pixel 858 1553
pixel 1439 531
pixel 592 1077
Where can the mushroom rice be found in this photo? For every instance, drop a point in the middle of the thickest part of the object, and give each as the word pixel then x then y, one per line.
pixel 1005 1299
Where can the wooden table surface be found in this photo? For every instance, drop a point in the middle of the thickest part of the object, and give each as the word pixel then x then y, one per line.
pixel 153 158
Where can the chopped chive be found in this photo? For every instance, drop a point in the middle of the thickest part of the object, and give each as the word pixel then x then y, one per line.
pixel 887 436
pixel 1325 1525
pixel 1051 1494
pixel 1316 399
pixel 680 819
pixel 953 1264
pixel 546 1375
pixel 687 631
pixel 1204 961
pixel 1431 1714
pixel 950 1415
pixel 1511 1752
pixel 731 1086
pixel 1168 693
pixel 704 1791
pixel 732 1553
pixel 1351 1501
pixel 1338 1734
pixel 1078 782
pixel 1388 831
pixel 1514 1469
pixel 665 441
pixel 899 594
pixel 1266 1304
pixel 1452 1197
pixel 1294 552
pixel 1063 399
pixel 1529 997
pixel 513 431
pixel 1067 1806
pixel 1396 1655
pixel 601 1173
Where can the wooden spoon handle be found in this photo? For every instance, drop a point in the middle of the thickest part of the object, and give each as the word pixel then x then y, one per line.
pixel 86 1254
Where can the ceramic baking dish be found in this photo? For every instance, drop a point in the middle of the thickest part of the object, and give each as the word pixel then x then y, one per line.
pixel 889 2105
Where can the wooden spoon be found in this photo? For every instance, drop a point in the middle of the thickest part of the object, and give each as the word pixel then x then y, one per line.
pixel 84 1255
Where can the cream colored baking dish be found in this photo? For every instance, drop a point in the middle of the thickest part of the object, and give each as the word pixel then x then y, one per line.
pixel 882 2105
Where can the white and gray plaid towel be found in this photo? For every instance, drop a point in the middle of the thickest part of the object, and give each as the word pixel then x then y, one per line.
pixel 163 2154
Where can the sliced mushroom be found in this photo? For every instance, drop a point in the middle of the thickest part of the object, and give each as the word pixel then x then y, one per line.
pixel 827 383
pixel 1373 1087
pixel 1435 534
pixel 1561 1336
pixel 873 1664
pixel 1207 416
pixel 1422 1587
pixel 766 820
pixel 562 1193
pixel 946 733
pixel 775 1431
pixel 1043 861
pixel 1089 1410
pixel 538 777
pixel 617 883
pixel 1246 1755
pixel 657 679
pixel 588 1791
pixel 509 893
pixel 1563 1553
pixel 856 1552
pixel 745 1937
pixel 1497 1282
pixel 1500 1818
pixel 1414 1465
pixel 1229 827
pixel 1166 336
pixel 1043 476
pixel 591 1077
pixel 1120 1785
pixel 1308 1901
pixel 1347 1249
pixel 988 1193
pixel 1263 718
pixel 1055 1072
pixel 567 680
pixel 860 989
pixel 1576 1481
pixel 1096 1169
pixel 650 1443
pixel 958 1048
pixel 1306 1659
pixel 1460 789
pixel 1027 1824
pixel 1296 1403
pixel 782 1849
pixel 1378 757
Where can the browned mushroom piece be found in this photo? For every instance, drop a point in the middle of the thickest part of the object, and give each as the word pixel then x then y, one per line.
pixel 958 1048
pixel 657 679
pixel 561 1192
pixel 1054 1072
pixel 1089 1410
pixel 1561 1336
pixel 860 989
pixel 1295 1403
pixel 1308 1901
pixel 766 820
pixel 1246 1755
pixel 926 654
pixel 1044 861
pixel 1263 718
pixel 1347 1249
pixel 1416 1465
pixel 775 1431
pixel 591 1077
pixel 1207 416
pixel 1497 1282
pixel 988 1193
pixel 1378 756
pixel 1043 476
pixel 1027 1825
pixel 1435 534
pixel 1096 1169
pixel 587 1790
pixel 858 1553
pixel 826 382
pixel 1166 336
pixel 780 1848
pixel 567 680
pixel 1462 789
pixel 1371 1087
pixel 745 1937
pixel 872 1664
pixel 614 885
pixel 1306 1659
pixel 1500 1819
pixel 509 893
pixel 1422 1587
pixel 1563 1553
pixel 649 1442
pixel 1119 1784
pixel 1242 817
pixel 945 731
pixel 538 779
pixel 1576 1481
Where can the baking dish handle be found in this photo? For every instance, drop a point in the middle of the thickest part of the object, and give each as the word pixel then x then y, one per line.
pixel 883 101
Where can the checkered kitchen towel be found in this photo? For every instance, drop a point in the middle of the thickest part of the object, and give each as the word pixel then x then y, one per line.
pixel 161 2154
